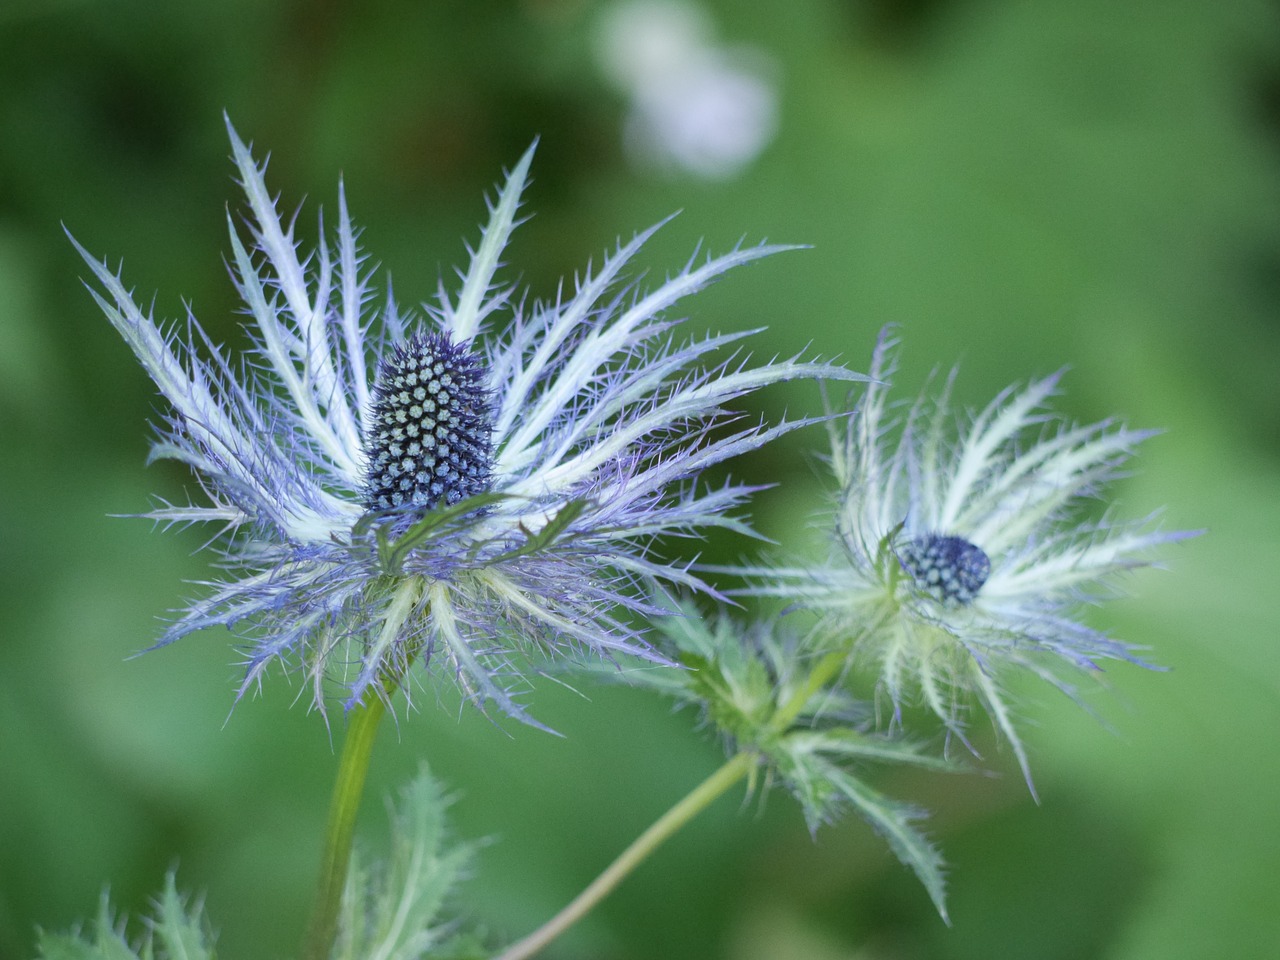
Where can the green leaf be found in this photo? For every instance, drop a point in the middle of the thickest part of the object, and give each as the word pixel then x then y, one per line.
pixel 552 529
pixel 391 909
pixel 848 743
pixel 176 932
pixel 822 786
pixel 392 553
pixel 893 821
pixel 65 946
pixel 181 935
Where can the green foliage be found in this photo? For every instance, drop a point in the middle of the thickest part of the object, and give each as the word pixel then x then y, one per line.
pixel 767 694
pixel 545 536
pixel 391 910
pixel 175 932
pixel 447 518
pixel 441 520
pixel 810 763
pixel 736 686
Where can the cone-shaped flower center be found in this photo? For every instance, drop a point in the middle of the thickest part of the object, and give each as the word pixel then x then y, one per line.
pixel 950 569
pixel 430 435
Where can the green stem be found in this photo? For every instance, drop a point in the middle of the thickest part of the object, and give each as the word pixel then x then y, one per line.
pixel 348 787
pixel 821 674
pixel 694 803
pixel 347 790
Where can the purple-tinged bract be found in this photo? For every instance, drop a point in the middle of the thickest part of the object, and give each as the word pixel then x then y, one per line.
pixel 451 489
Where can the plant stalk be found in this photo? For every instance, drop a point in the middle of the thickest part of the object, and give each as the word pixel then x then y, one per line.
pixel 693 803
pixel 348 787
pixel 339 832
pixel 823 672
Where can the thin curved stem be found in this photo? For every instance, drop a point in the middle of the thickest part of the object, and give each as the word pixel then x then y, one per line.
pixel 693 803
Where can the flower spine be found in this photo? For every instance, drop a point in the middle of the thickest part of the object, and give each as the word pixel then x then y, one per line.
pixel 958 549
pixel 506 515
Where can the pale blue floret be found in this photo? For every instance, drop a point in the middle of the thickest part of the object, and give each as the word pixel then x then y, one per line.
pixel 599 428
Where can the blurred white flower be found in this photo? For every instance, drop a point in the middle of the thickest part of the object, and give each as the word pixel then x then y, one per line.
pixel 695 106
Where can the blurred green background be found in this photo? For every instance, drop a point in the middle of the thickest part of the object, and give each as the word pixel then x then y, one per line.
pixel 1020 184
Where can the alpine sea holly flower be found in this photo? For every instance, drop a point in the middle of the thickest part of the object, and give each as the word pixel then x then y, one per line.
pixel 400 490
pixel 959 556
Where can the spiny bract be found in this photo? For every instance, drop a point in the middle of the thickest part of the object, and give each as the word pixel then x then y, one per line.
pixel 571 438
pixel 959 550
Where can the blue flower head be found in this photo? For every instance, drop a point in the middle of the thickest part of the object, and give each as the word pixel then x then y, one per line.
pixel 959 551
pixel 433 490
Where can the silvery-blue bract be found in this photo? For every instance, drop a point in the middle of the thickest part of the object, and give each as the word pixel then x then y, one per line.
pixel 570 435
pixel 959 550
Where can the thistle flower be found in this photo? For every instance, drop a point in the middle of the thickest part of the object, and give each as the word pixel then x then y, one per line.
pixel 398 490
pixel 956 559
